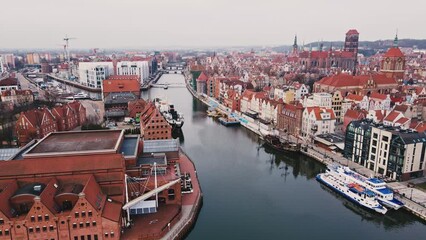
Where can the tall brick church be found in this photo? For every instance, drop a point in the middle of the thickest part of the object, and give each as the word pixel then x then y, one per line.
pixel 393 62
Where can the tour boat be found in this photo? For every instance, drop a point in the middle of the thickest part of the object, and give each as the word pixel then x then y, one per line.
pixel 174 118
pixel 352 191
pixel 383 193
pixel 229 121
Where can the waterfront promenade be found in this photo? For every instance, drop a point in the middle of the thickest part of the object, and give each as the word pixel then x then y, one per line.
pixel 416 205
pixel 75 84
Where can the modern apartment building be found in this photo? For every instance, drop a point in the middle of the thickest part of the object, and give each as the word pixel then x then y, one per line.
pixel 140 68
pixel 391 152
pixel 93 73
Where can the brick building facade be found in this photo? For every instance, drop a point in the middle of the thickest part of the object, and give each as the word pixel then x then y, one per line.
pixel 35 124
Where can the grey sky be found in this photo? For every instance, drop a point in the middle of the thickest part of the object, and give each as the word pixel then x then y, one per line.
pixel 162 23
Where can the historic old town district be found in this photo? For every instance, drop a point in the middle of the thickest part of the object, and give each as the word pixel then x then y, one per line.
pixel 86 156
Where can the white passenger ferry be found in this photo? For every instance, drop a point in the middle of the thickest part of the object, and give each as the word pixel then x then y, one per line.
pixel 384 194
pixel 352 191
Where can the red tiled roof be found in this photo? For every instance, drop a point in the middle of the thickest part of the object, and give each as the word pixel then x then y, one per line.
pixel 401 108
pixel 345 80
pixel 392 116
pixel 48 195
pixel 403 120
pixel 93 192
pixel 421 127
pixel 352 31
pixel 318 111
pixel 354 97
pixel 8 188
pixel 9 82
pixel 112 211
pixel 129 83
pixel 394 52
pixel 248 94
pixel 376 95
pixel 203 77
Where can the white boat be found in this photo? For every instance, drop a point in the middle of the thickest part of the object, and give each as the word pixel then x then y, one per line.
pixel 352 191
pixel 383 193
pixel 175 119
pixel 77 96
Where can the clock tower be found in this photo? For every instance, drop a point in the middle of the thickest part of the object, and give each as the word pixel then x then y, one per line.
pixel 393 62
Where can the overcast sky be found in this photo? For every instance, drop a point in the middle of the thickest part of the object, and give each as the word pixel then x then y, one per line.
pixel 200 23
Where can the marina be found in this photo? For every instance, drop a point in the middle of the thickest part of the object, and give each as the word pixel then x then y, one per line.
pixel 268 194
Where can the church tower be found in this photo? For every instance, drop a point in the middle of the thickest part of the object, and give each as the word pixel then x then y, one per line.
pixel 393 62
pixel 351 41
pixel 295 47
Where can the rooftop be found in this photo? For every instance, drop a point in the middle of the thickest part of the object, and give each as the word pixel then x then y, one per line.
pixel 60 143
pixel 160 146
pixel 130 145
pixel 7 153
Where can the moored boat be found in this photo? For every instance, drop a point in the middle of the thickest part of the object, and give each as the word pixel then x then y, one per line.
pixel 275 142
pixel 174 118
pixel 352 191
pixel 383 193
pixel 78 96
pixel 229 121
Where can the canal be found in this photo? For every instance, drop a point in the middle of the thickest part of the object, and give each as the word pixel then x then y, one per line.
pixel 251 192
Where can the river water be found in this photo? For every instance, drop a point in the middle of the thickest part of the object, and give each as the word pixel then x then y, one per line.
pixel 252 192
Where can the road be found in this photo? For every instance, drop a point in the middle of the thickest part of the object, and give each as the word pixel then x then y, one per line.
pixel 27 85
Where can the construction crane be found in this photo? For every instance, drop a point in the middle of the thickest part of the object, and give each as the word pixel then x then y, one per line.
pixel 67 52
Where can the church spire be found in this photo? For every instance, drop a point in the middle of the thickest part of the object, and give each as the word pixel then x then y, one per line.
pixel 395 41
pixel 295 41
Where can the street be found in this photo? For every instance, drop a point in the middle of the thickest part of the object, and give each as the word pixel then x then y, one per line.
pixel 27 85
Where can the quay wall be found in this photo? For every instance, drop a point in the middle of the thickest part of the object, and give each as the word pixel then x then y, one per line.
pixel 188 224
pixel 411 206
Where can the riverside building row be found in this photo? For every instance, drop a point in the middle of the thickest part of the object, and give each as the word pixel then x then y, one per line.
pixel 93 74
pixel 392 152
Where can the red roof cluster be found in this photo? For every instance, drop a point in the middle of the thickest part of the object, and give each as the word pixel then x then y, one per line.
pixel 345 80
pixel 394 52
pixel 352 32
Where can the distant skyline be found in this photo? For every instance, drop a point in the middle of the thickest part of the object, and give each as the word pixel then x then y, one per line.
pixel 201 23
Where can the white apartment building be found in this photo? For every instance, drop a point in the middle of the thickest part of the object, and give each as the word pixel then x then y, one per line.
pixel 379 150
pixel 316 120
pixel 140 68
pixel 93 73
pixel 323 100
pixel 301 90
pixel 397 154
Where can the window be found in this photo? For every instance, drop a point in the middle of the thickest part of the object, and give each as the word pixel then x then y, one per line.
pixel 74 225
pixel 44 228
pixel 30 230
pixel 82 237
pixel 39 218
pixel 6 232
pixel 112 234
pixel 95 237
pixel 46 217
pixel 51 228
pixel 90 213
pixel 83 214
pixel 87 224
pixel 81 225
pixel 1 221
pixel 75 238
pixel 106 234
pixel 94 223
pixel 77 214
pixel 37 229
